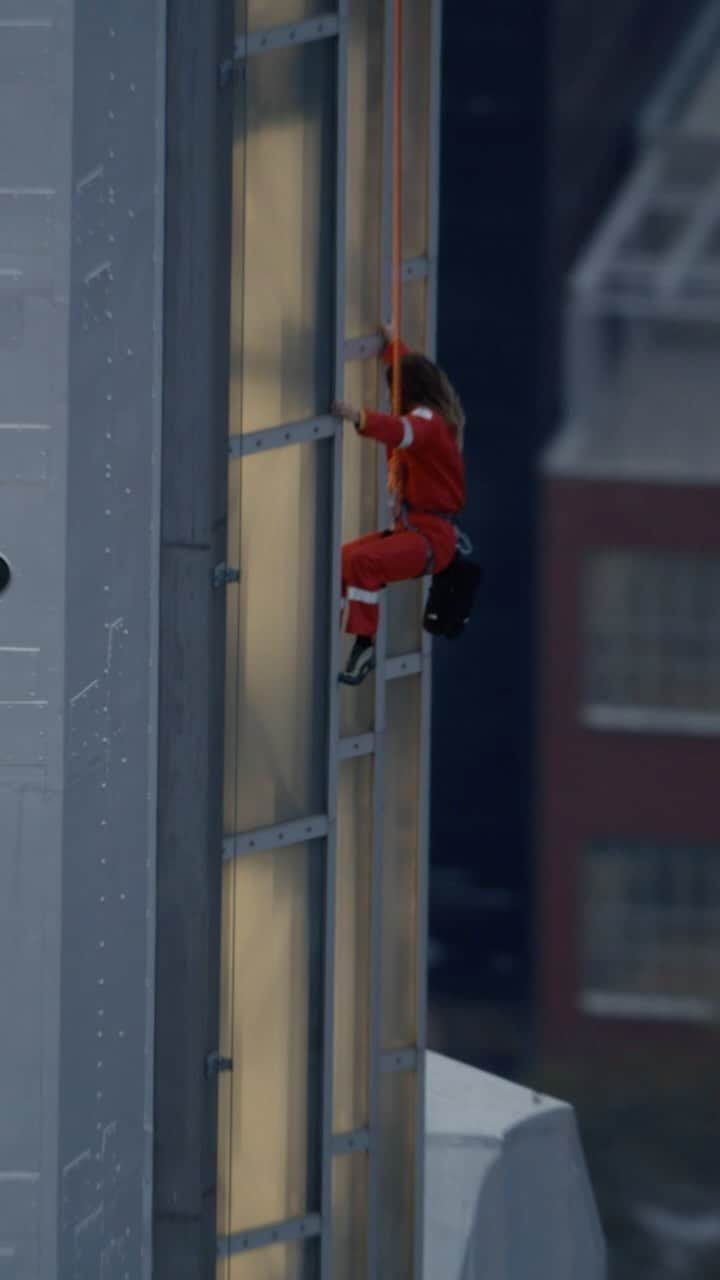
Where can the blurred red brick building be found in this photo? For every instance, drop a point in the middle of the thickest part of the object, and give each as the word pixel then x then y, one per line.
pixel 628 872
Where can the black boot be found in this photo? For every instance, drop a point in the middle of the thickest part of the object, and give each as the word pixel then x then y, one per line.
pixel 360 663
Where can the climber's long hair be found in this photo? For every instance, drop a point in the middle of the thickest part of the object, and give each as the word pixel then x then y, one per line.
pixel 424 383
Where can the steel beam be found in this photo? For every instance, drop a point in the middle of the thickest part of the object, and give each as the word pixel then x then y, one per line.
pixel 333 725
pixel 376 908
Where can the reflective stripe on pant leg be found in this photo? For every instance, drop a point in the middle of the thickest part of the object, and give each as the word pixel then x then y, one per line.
pixel 362 584
pixel 363 612
pixel 369 565
pixel 364 597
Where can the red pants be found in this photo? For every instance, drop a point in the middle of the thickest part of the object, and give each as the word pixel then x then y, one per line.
pixel 370 563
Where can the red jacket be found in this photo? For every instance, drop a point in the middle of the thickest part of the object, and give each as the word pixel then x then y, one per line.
pixel 433 472
pixel 433 469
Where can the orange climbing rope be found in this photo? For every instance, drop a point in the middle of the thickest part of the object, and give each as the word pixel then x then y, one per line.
pixel 397 204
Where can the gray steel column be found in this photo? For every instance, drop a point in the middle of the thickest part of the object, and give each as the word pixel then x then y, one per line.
pixel 334 649
pixel 35 216
pixel 81 194
pixel 112 533
pixel 194 503
pixel 426 687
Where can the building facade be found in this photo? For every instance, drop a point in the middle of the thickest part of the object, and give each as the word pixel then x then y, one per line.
pixel 214 863
pixel 540 103
pixel 629 837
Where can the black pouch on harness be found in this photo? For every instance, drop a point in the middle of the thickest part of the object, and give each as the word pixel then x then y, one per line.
pixel 451 598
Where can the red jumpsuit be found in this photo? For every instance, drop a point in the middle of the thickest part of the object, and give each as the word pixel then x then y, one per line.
pixel 433 480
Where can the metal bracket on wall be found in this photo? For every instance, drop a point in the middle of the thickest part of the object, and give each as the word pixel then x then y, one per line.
pixel 228 72
pixel 215 1065
pixel 296 1230
pixel 364 348
pixel 222 576
pixel 344 1144
pixel 415 269
pixel 241 446
pixel 406 664
pixel 323 27
pixel 281 837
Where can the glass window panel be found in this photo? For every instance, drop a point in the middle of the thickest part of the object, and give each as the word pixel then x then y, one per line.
pixel 360 471
pixel 232 652
pixel 237 263
pixel 364 167
pixel 278 636
pixel 282 336
pixel 234 488
pixel 276 1019
pixel 400 864
pixel 649 914
pixel 415 314
pixel 405 607
pixel 405 600
pixel 357 705
pixel 225 1079
pixel 360 457
pixel 416 125
pixel 652 626
pixel 396 1171
pixel 262 14
pixel 277 1262
pixel 352 945
pixel 350 1217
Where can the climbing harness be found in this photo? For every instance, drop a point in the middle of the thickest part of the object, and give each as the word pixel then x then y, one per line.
pixel 462 542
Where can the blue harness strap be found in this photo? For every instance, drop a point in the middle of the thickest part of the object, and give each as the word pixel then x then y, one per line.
pixel 464 545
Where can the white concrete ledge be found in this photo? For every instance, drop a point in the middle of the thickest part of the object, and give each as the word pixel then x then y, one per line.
pixel 507 1191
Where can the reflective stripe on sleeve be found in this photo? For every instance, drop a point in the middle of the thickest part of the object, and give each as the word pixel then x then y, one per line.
pixel 408 434
pixel 363 597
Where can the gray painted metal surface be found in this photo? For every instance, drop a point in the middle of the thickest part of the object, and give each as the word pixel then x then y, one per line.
pixel 334 650
pixel 507 1195
pixel 192 635
pixel 80 269
pixel 34 269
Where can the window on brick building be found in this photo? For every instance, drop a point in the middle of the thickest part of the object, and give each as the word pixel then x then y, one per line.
pixel 651 649
pixel 650 923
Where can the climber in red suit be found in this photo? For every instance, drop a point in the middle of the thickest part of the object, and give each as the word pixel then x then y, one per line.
pixel 426 479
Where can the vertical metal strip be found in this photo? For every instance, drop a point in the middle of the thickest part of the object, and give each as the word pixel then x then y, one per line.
pixel 434 173
pixel 160 35
pixel 426 676
pixel 380 691
pixel 397 201
pixel 334 653
pixel 376 914
pixel 227 1040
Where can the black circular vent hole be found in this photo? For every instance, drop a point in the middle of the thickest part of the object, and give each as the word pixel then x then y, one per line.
pixel 5 574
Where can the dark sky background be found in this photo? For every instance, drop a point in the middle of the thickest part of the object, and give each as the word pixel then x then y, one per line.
pixel 540 100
